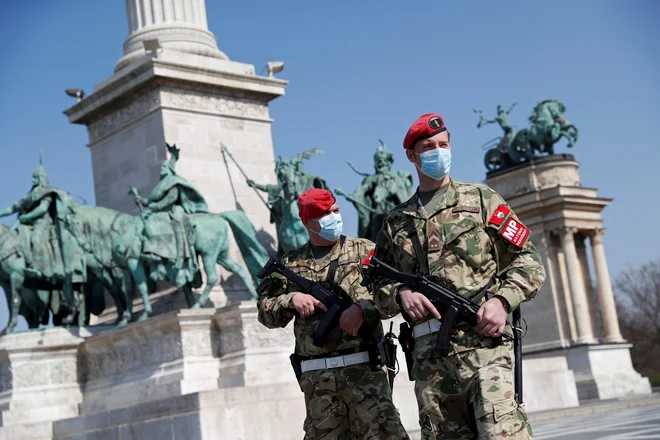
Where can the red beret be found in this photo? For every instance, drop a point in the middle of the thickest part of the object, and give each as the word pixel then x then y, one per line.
pixel 314 202
pixel 424 127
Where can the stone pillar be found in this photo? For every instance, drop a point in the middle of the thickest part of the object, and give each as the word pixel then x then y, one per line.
pixel 578 294
pixel 566 290
pixel 605 295
pixel 178 25
pixel 592 296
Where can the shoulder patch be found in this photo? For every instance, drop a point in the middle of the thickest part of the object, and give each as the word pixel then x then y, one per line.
pixel 515 232
pixel 368 259
pixel 464 208
pixel 499 215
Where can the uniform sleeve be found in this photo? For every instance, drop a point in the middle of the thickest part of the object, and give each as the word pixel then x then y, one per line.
pixel 384 289
pixel 366 302
pixel 274 303
pixel 519 265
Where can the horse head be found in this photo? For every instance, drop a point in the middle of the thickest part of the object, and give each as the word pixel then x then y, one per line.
pixel 4 233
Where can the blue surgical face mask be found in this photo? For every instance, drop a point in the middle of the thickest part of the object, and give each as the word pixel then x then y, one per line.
pixel 331 226
pixel 436 163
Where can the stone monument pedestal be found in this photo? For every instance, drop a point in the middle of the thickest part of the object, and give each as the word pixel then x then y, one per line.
pixel 269 412
pixel 605 371
pixel 548 383
pixel 39 381
pixel 187 374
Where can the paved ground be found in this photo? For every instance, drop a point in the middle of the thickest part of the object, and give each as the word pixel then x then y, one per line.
pixel 641 422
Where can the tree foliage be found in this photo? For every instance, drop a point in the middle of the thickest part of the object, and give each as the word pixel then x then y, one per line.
pixel 638 306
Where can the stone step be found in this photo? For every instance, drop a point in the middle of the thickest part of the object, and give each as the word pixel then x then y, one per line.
pixel 29 431
pixel 16 417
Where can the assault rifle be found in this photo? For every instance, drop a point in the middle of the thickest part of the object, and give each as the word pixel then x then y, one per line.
pixel 453 305
pixel 335 303
pixel 453 308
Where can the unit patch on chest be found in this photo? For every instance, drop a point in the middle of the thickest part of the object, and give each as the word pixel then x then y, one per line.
pixel 435 244
pixel 464 208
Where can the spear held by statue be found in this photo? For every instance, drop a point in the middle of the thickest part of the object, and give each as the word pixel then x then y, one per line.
pixel 226 150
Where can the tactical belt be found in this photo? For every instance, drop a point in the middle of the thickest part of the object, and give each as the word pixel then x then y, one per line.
pixel 425 328
pixel 335 362
pixel 359 348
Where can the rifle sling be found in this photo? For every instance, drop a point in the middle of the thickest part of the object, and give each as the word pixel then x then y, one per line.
pixel 335 262
pixel 411 230
pixel 449 319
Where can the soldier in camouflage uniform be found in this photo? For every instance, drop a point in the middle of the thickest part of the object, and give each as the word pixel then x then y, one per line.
pixel 469 238
pixel 343 402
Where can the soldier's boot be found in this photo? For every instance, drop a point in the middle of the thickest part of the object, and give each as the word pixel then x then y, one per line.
pixel 181 277
pixel 67 292
pixel 191 255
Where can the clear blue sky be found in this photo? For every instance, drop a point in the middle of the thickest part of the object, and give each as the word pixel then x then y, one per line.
pixel 363 71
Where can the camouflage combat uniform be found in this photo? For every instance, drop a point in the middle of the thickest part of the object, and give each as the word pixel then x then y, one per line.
pixel 351 402
pixel 469 393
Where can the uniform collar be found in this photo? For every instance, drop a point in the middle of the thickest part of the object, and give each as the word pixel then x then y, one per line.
pixel 307 253
pixel 414 208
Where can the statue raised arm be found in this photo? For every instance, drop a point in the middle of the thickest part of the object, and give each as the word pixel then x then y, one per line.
pixel 501 119
pixel 511 107
pixel 483 120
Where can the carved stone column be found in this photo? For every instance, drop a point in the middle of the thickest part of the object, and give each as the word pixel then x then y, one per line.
pixel 589 283
pixel 566 293
pixel 578 294
pixel 178 25
pixel 605 295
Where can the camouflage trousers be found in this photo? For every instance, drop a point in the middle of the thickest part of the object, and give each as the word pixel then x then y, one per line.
pixel 470 395
pixel 352 402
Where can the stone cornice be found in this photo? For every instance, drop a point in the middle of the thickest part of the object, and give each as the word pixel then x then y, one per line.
pixel 146 74
pixel 175 99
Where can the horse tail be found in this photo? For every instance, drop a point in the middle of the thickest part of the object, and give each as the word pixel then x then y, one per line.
pixel 254 254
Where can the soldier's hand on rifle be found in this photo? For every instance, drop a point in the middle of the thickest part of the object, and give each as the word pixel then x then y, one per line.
pixel 251 183
pixel 491 318
pixel 305 304
pixel 351 319
pixel 416 305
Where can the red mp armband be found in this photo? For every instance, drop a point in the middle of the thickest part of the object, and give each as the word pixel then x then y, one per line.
pixel 515 232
